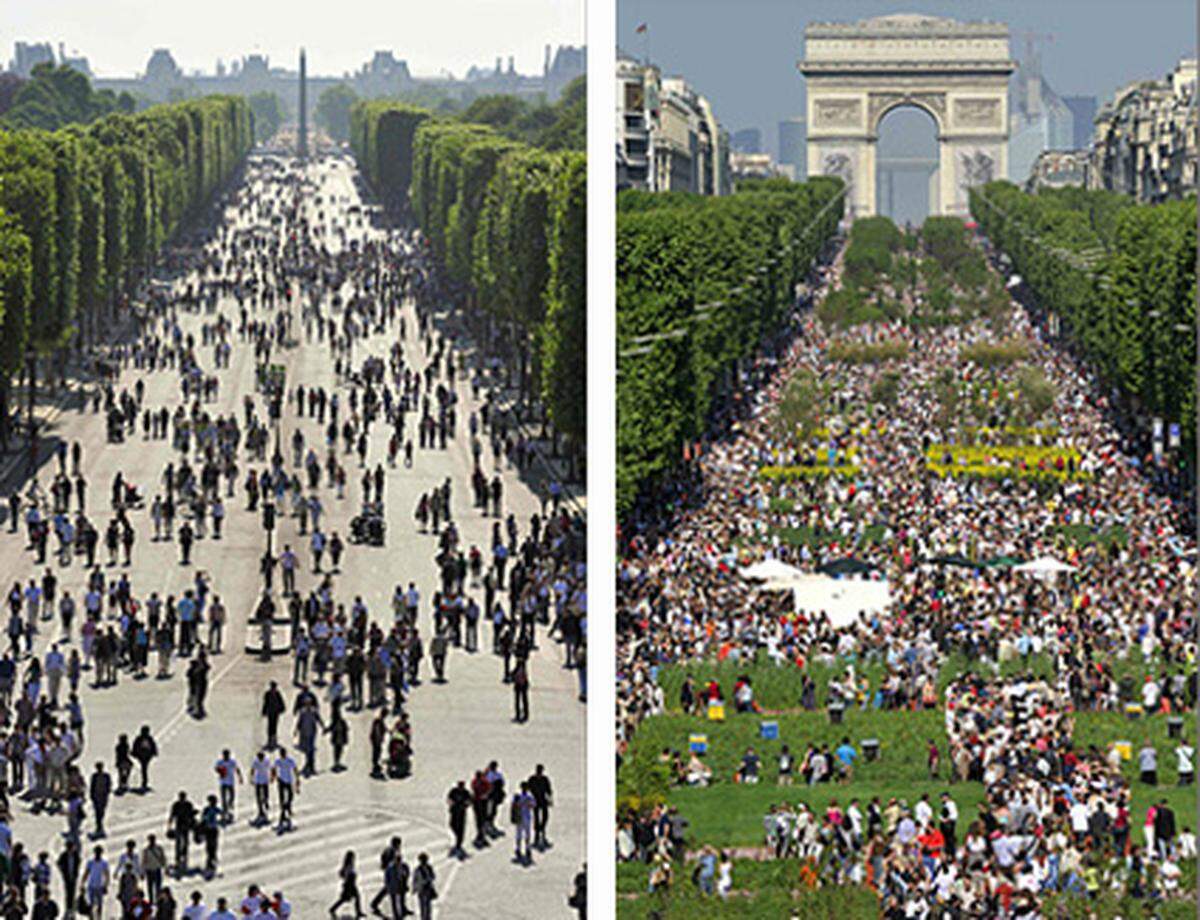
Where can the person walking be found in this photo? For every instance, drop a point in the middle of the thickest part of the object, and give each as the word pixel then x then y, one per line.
pixel 273 707
pixel 260 778
pixel 523 805
pixel 349 894
pixel 210 830
pixel 144 750
pixel 437 655
pixel 154 863
pixel 99 793
pixel 423 886
pixel 389 855
pixel 288 563
pixel 186 538
pixel 96 879
pixel 181 824
pixel 228 773
pixel 308 725
pixel 459 802
pixel 217 616
pixel 578 898
pixel 520 682
pixel 543 797
pixel 287 778
pixel 70 863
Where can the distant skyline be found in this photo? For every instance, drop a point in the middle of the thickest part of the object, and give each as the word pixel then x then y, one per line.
pixel 742 56
pixel 118 36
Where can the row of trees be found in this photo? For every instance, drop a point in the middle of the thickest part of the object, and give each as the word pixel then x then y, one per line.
pixel 55 96
pixel 506 221
pixel 1120 276
pixel 84 210
pixel 561 125
pixel 701 281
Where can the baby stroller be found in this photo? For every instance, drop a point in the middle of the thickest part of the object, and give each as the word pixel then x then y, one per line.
pixel 369 527
pixel 399 757
pixel 116 427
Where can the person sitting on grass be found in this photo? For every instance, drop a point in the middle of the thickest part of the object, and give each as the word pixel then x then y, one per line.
pixel 748 772
pixel 712 693
pixel 1187 843
pixel 698 772
pixel 673 761
pixel 661 872
pixel 743 696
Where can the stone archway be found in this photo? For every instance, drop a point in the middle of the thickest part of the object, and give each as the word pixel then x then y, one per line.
pixel 958 72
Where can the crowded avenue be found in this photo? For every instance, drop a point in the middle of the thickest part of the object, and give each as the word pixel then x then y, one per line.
pixel 292 574
pixel 948 690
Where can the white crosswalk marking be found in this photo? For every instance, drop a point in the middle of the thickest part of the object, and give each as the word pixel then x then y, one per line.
pixel 305 859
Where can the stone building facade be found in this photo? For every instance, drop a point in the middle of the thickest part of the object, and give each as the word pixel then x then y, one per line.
pixel 957 72
pixel 1145 142
pixel 668 137
pixel 384 75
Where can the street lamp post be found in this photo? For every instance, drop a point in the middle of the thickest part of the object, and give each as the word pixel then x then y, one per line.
pixel 31 369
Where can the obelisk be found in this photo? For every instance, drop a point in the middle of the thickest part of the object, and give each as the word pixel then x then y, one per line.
pixel 302 146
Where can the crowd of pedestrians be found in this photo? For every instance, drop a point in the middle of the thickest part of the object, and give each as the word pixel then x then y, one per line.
pixel 1116 631
pixel 297 271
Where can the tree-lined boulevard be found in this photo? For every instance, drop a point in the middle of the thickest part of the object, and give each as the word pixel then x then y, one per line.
pixel 300 282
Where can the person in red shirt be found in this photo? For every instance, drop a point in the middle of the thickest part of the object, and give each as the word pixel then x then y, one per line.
pixel 481 791
pixel 933 759
pixel 932 842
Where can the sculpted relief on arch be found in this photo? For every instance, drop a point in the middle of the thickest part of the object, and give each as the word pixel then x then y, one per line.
pixel 978 113
pixel 838 113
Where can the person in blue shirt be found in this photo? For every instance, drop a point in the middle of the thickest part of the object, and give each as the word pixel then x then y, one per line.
pixel 706 870
pixel 846 755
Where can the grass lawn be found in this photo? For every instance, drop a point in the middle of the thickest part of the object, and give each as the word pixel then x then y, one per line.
pixel 729 814
pixel 778 686
pixel 760 889
pixel 1101 728
pixel 775 686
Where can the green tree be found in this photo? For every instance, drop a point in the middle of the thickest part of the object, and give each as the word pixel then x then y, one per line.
pixel 268 115
pixel 16 270
pixel 564 336
pixel 333 110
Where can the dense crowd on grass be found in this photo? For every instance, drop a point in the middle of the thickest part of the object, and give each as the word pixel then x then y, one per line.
pixel 948 542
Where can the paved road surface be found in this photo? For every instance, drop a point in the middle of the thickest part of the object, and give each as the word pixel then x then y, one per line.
pixel 457 726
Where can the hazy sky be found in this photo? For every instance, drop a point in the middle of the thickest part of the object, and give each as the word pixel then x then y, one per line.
pixel 117 36
pixel 742 55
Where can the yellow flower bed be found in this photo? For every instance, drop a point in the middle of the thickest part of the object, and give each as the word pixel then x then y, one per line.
pixel 816 471
pixel 1019 462
pixel 1025 433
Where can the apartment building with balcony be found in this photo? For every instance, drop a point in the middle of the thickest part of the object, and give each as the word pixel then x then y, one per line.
pixel 668 137
pixel 1145 142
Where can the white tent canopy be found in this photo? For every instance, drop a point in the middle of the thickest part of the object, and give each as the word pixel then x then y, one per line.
pixel 771 570
pixel 842 599
pixel 1046 565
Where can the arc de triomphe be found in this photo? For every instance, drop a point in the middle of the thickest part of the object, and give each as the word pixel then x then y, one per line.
pixel 958 72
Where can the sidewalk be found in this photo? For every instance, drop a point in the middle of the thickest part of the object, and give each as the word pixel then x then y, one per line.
pixel 48 407
pixel 505 399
